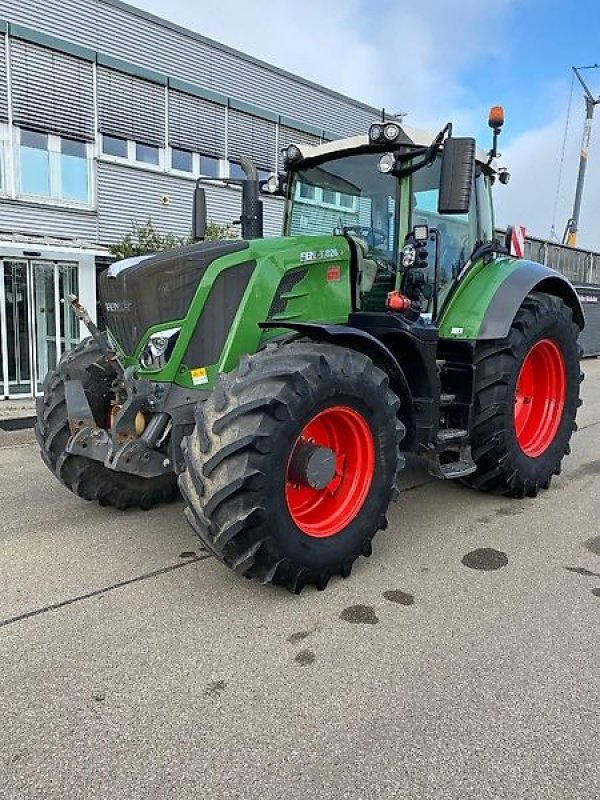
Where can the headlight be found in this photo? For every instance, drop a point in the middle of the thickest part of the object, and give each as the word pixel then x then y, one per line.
pixel 386 163
pixel 375 132
pixel 391 131
pixel 291 154
pixel 158 349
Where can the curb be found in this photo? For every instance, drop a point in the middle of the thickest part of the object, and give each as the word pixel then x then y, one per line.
pixel 17 423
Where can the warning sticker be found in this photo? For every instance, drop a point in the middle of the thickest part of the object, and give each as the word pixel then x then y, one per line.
pixel 199 376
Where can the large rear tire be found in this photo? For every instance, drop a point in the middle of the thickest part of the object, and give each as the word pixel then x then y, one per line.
pixel 293 462
pixel 85 477
pixel 526 400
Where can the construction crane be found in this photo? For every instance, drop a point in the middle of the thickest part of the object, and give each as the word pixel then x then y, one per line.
pixel 570 235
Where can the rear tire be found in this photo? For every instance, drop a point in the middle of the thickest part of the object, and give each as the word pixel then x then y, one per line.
pixel 520 435
pixel 85 477
pixel 240 498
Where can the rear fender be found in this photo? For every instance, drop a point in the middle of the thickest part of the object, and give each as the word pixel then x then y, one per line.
pixel 485 306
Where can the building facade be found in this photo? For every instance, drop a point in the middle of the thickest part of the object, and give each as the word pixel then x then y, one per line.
pixel 107 116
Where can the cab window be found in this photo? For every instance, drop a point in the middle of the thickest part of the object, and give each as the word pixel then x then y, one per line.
pixel 458 234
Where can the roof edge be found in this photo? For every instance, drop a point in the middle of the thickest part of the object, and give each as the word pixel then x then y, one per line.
pixel 138 12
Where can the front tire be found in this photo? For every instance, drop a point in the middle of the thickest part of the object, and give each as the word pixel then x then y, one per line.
pixel 85 477
pixel 293 462
pixel 526 399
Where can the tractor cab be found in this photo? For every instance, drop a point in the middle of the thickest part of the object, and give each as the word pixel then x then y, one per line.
pixel 379 190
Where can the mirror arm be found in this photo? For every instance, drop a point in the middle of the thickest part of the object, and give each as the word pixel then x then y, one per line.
pixel 403 172
pixel 429 153
pixel 436 271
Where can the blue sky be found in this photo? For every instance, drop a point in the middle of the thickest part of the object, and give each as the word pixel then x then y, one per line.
pixel 548 38
pixel 441 60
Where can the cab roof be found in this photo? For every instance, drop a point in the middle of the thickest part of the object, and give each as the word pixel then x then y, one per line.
pixel 416 136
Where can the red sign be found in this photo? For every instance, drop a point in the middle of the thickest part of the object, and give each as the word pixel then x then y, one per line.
pixel 517 242
pixel 334 273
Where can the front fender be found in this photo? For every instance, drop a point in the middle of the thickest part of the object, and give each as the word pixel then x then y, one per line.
pixel 485 305
pixel 366 343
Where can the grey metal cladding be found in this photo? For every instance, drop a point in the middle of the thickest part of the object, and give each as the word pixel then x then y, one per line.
pixel 3 84
pixel 196 124
pixel 272 215
pixel 130 107
pixel 252 137
pixel 117 31
pixel 127 195
pixel 289 136
pixel 42 220
pixel 51 91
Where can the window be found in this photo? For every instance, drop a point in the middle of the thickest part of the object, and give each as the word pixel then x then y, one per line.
pixel 326 197
pixel 74 171
pixel 235 170
pixel 55 167
pixel 485 207
pixel 3 175
pixel 209 166
pixel 458 233
pixel 306 191
pixel 146 153
pixel 34 158
pixel 113 146
pixel 182 160
pixel 367 206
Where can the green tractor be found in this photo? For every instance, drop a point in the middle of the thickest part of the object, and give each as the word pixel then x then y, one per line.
pixel 278 383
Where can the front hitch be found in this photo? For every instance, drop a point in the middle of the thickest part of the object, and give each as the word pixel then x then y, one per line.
pixel 120 448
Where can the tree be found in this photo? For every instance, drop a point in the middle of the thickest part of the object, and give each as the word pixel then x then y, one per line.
pixel 145 239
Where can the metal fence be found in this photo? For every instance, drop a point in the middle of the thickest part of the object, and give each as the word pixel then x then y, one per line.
pixel 579 266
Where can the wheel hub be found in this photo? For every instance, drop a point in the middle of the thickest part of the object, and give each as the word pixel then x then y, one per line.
pixel 312 465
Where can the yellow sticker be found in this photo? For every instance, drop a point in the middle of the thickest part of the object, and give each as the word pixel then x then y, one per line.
pixel 199 376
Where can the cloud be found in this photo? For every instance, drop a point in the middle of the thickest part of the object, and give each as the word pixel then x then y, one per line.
pixel 420 59
pixel 533 160
pixel 389 53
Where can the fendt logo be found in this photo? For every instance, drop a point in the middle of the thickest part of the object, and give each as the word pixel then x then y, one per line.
pixel 122 308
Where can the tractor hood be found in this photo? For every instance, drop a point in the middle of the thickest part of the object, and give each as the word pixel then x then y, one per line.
pixel 146 290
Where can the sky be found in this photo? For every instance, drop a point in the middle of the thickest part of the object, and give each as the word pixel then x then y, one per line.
pixel 445 60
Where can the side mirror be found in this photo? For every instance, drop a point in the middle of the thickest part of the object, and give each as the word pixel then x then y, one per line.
pixel 456 181
pixel 199 215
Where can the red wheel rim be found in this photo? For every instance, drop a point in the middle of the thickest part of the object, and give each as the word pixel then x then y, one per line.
pixel 540 398
pixel 325 512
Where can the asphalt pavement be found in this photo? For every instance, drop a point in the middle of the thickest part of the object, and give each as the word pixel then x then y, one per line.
pixel 460 661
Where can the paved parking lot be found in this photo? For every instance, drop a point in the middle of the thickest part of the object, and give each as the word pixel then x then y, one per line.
pixel 133 666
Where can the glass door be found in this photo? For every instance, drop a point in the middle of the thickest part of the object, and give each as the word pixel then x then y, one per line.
pixel 68 322
pixel 45 319
pixel 16 325
pixel 37 323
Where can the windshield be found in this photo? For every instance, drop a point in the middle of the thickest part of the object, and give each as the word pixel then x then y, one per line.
pixel 347 194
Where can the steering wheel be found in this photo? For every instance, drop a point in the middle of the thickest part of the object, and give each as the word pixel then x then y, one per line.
pixel 374 237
